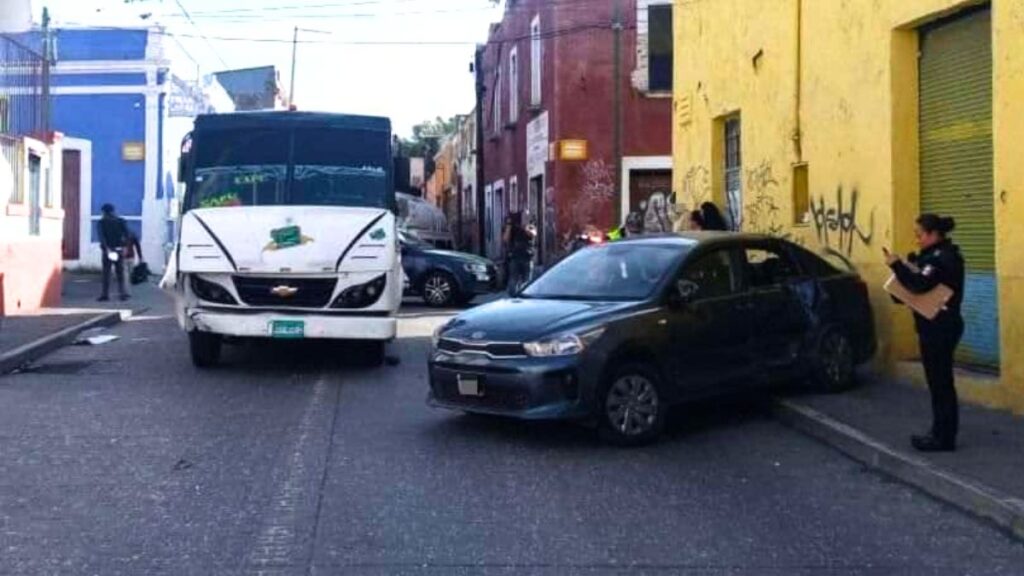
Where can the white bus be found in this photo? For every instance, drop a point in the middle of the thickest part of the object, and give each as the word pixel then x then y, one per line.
pixel 288 230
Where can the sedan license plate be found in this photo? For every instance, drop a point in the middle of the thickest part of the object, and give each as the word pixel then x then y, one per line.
pixel 469 385
pixel 288 329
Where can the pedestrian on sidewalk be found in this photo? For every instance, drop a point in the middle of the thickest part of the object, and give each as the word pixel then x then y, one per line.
pixel 938 262
pixel 113 233
pixel 519 247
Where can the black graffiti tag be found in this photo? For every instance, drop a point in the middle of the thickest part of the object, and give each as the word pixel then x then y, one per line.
pixel 840 223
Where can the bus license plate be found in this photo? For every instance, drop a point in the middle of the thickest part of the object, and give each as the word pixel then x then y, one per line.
pixel 290 329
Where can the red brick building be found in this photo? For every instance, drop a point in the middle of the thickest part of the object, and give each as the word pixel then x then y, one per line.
pixel 549 114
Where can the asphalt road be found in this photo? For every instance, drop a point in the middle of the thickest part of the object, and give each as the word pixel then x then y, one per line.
pixel 123 459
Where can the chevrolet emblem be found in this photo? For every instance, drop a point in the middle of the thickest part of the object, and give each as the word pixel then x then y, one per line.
pixel 284 291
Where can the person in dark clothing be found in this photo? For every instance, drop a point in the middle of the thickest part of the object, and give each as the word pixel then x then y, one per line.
pixel 708 217
pixel 113 233
pixel 938 262
pixel 519 246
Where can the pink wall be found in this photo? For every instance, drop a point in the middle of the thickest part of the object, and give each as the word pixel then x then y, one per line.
pixel 32 274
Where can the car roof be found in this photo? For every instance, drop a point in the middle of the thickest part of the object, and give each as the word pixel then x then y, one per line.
pixel 702 238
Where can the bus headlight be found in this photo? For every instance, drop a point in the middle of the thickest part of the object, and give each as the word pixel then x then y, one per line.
pixel 211 291
pixel 361 295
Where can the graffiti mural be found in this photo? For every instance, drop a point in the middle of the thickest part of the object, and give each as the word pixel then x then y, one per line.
pixel 763 214
pixel 660 212
pixel 838 226
pixel 696 188
pixel 596 197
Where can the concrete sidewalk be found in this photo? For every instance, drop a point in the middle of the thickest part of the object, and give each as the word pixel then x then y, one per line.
pixel 25 338
pixel 873 424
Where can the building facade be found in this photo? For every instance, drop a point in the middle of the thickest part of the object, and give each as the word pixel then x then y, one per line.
pixel 552 104
pixel 465 166
pixel 836 123
pixel 31 214
pixel 123 111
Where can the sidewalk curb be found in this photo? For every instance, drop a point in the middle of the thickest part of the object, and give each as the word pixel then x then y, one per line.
pixel 970 496
pixel 22 355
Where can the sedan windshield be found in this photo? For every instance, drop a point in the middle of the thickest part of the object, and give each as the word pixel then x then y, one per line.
pixel 609 272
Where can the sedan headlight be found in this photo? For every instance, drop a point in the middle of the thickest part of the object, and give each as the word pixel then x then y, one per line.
pixel 476 268
pixel 562 345
pixel 435 338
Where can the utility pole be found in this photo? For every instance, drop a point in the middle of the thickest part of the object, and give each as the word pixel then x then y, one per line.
pixel 47 56
pixel 481 200
pixel 617 112
pixel 295 50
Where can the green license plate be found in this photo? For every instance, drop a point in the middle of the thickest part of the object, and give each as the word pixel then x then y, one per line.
pixel 293 329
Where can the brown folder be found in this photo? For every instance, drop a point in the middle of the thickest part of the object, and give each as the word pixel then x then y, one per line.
pixel 929 304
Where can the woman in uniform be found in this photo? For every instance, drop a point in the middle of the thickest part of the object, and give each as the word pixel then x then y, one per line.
pixel 938 262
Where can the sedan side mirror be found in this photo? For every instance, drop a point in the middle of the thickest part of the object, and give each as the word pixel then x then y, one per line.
pixel 684 293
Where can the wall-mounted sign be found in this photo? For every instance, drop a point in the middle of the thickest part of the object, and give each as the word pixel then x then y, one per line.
pixel 572 150
pixel 537 145
pixel 133 151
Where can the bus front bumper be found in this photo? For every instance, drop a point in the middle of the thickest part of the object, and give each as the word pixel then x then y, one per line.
pixel 278 325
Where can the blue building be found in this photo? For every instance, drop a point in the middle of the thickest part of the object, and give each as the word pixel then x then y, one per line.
pixel 123 115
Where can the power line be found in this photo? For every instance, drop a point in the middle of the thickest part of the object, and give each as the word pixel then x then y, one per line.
pixel 544 36
pixel 196 26
pixel 242 15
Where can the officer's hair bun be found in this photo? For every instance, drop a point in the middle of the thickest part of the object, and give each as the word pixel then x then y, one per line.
pixel 935 223
pixel 947 224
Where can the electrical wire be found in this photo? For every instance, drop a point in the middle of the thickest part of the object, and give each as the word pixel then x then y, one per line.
pixel 196 26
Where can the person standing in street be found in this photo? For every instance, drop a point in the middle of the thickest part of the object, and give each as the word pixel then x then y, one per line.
pixel 519 247
pixel 113 233
pixel 938 262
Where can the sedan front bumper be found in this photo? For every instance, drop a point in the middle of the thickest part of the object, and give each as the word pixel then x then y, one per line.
pixel 522 387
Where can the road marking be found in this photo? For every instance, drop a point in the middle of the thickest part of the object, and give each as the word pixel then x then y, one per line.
pixel 284 539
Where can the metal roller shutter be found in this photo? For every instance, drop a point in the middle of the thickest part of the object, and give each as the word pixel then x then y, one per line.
pixel 957 163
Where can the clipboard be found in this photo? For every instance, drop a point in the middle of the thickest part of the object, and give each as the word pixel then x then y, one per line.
pixel 929 304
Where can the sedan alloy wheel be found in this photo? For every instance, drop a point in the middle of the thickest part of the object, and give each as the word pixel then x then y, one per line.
pixel 439 290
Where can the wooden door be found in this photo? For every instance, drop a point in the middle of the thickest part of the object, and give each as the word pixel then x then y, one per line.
pixel 71 202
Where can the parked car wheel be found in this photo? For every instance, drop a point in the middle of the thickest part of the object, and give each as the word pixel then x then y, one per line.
pixel 440 290
pixel 205 348
pixel 632 408
pixel 834 362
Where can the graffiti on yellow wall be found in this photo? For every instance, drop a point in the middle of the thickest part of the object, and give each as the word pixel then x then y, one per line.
pixel 838 225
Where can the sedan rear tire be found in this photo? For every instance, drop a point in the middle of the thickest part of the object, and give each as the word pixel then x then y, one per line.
pixel 834 365
pixel 632 406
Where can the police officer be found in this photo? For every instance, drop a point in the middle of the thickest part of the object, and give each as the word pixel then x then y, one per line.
pixel 938 262
pixel 634 226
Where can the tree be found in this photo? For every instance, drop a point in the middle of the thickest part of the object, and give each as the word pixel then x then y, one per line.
pixel 427 136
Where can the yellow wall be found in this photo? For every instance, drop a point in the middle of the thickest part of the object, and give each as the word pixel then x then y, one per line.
pixel 857 78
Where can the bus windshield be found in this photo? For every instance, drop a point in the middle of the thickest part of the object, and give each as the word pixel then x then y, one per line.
pixel 304 166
